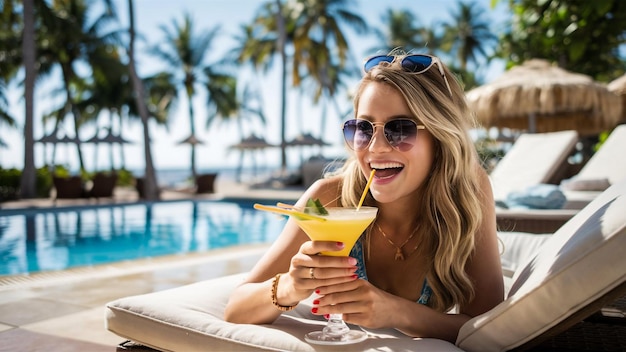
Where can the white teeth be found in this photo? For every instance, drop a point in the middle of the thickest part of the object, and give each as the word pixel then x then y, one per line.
pixel 388 165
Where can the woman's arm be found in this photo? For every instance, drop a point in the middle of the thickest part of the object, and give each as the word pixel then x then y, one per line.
pixel 291 255
pixel 363 304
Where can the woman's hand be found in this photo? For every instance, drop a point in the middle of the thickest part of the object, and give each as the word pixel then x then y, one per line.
pixel 359 301
pixel 308 271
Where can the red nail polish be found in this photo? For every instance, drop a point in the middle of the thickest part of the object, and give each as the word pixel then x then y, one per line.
pixel 355 276
pixel 317 291
pixel 316 301
pixel 314 310
pixel 326 316
pixel 340 244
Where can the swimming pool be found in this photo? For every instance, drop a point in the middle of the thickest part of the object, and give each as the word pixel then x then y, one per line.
pixel 55 239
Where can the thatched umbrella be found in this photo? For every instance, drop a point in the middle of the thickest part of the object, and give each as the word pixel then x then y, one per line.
pixel 191 140
pixel 251 143
pixel 618 86
pixel 109 139
pixel 306 140
pixel 540 97
pixel 54 139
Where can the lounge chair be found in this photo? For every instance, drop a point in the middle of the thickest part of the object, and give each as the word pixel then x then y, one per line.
pixel 205 183
pixel 553 289
pixel 68 187
pixel 103 185
pixel 534 158
pixel 603 169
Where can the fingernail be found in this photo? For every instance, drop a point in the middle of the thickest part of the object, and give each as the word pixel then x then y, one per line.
pixel 317 291
pixel 326 316
pixel 355 276
pixel 314 310
pixel 340 244
pixel 316 301
pixel 352 261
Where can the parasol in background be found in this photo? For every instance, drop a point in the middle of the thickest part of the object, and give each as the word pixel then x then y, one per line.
pixel 306 140
pixel 540 97
pixel 618 86
pixel 250 144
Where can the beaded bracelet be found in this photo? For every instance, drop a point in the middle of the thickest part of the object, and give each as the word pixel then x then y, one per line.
pixel 275 300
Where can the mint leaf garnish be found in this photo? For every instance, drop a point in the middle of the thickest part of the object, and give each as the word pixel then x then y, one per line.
pixel 316 206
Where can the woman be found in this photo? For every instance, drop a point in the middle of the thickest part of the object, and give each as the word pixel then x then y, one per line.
pixel 433 245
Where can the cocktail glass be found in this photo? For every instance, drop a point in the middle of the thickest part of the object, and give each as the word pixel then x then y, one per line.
pixel 342 225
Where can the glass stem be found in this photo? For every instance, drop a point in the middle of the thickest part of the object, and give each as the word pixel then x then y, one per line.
pixel 336 326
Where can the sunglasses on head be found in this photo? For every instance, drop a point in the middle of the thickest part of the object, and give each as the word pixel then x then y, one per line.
pixel 417 63
pixel 401 134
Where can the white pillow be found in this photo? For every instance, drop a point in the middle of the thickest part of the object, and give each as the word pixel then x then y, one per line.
pixel 583 261
pixel 579 184
pixel 517 248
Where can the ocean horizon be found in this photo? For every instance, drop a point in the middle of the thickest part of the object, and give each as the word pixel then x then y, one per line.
pixel 179 177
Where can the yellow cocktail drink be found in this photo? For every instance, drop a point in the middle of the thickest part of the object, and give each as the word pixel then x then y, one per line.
pixel 342 225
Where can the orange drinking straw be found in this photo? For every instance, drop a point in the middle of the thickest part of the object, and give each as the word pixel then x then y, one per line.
pixel 290 212
pixel 367 187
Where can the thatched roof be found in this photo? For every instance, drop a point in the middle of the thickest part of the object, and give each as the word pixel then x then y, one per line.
pixel 618 86
pixel 306 139
pixel 252 142
pixel 191 140
pixel 555 98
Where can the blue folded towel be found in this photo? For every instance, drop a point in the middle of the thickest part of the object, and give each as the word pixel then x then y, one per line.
pixel 541 196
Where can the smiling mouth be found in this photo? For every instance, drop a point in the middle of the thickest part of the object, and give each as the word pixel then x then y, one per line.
pixel 387 169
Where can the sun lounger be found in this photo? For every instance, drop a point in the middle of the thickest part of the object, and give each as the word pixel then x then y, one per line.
pixel 553 287
pixel 205 183
pixel 604 168
pixel 103 185
pixel 534 158
pixel 68 187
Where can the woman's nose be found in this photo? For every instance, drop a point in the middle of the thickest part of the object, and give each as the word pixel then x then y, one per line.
pixel 379 141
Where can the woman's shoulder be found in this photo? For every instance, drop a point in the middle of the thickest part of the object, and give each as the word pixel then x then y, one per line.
pixel 327 190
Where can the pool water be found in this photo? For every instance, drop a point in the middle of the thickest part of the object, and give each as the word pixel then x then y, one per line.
pixel 45 240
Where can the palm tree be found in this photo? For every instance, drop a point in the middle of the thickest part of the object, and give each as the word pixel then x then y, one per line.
pixel 185 52
pixel 150 185
pixel 162 95
pixel 326 77
pixel 468 34
pixel 304 25
pixel 71 39
pixel 402 30
pixel 320 21
pixel 12 23
pixel 321 47
pixel 107 92
pixel 5 117
pixel 28 188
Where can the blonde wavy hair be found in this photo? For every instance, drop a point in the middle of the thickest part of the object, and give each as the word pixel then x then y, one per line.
pixel 454 214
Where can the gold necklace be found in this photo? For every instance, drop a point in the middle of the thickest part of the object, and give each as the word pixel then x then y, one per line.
pixel 399 254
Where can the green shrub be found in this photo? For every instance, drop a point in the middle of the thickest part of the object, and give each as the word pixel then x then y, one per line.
pixel 43 183
pixel 9 184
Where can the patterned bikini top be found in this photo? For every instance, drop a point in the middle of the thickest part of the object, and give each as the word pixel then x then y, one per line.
pixel 357 253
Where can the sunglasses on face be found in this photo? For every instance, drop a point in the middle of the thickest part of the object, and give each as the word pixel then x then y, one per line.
pixel 412 63
pixel 401 134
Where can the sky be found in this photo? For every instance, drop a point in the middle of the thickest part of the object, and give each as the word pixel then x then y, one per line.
pixel 215 153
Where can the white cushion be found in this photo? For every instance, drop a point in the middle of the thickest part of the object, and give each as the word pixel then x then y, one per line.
pixel 581 184
pixel 580 263
pixel 534 158
pixel 189 318
pixel 517 248
pixel 607 161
